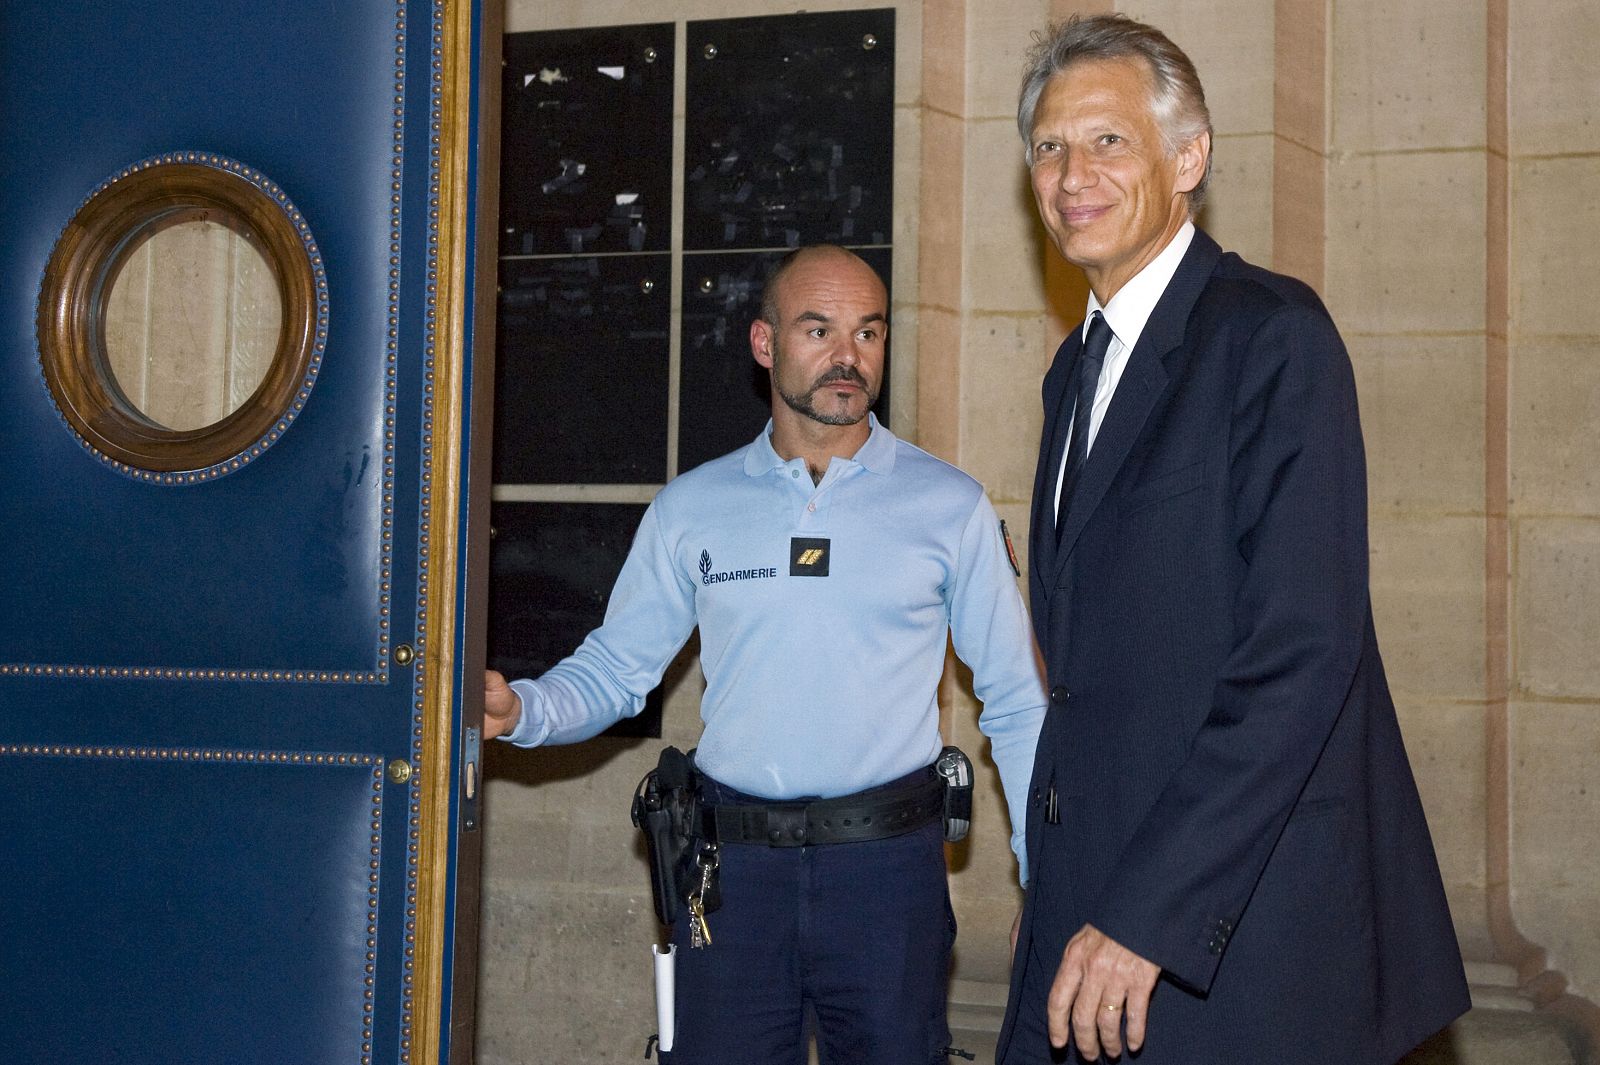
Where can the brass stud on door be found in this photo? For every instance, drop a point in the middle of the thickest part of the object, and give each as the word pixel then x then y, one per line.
pixel 403 655
pixel 399 770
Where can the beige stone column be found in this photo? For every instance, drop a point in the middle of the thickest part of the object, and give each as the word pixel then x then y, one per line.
pixel 1231 45
pixel 1300 140
pixel 1551 574
pixel 1406 277
pixel 983 290
pixel 942 178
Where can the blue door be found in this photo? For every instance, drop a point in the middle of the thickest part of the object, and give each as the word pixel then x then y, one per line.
pixel 237 494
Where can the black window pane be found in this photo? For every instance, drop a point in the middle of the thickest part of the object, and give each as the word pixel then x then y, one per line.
pixel 551 568
pixel 724 397
pixel 586 140
pixel 789 130
pixel 581 373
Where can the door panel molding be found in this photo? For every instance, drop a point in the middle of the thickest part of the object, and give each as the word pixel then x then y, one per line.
pixel 227 947
pixel 273 545
pixel 202 673
pixel 186 754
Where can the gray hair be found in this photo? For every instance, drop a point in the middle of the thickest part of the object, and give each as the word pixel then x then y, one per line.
pixel 1177 101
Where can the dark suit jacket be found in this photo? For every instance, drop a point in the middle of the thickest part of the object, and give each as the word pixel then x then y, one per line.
pixel 1235 800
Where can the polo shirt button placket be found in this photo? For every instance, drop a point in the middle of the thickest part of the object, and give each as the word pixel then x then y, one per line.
pixel 813 515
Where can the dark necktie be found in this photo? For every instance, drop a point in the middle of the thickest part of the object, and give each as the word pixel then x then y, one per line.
pixel 1089 363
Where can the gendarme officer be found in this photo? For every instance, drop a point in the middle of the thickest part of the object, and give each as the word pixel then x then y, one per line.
pixel 825 564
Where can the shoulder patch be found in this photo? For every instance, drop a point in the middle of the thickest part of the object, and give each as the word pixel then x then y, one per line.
pixel 1011 551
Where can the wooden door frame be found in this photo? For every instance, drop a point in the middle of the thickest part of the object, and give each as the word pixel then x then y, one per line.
pixel 467 201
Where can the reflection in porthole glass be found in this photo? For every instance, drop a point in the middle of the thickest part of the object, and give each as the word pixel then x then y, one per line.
pixel 183 317
pixel 192 322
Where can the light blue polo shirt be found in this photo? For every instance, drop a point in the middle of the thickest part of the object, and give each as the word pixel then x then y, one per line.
pixel 815 685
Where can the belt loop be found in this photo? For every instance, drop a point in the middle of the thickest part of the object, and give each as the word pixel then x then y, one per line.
pixel 786 825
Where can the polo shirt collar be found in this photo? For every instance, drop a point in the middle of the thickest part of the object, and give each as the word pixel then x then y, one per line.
pixel 875 456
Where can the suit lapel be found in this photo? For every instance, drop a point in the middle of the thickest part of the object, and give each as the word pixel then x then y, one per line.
pixel 1143 382
pixel 1052 442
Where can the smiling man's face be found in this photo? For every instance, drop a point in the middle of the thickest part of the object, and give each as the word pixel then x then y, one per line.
pixel 1108 190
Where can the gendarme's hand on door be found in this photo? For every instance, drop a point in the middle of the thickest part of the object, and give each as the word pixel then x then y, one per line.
pixel 502 707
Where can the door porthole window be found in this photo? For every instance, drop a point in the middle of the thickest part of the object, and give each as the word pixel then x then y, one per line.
pixel 183 318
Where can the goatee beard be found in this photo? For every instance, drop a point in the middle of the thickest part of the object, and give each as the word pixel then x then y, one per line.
pixel 805 402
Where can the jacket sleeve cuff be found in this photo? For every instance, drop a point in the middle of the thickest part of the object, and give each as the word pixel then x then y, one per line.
pixel 1190 955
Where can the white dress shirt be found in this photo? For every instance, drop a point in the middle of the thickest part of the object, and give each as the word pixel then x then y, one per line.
pixel 1126 314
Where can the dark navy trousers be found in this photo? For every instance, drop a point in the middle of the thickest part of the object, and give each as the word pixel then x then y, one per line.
pixel 856 934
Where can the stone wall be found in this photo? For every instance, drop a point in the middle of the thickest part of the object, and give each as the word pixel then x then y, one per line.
pixel 1550 561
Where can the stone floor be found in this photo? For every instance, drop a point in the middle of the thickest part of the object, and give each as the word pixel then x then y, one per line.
pixel 1499 1037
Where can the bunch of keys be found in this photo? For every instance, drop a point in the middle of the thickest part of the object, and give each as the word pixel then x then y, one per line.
pixel 699 930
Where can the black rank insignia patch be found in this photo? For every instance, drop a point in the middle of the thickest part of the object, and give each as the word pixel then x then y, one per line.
pixel 808 557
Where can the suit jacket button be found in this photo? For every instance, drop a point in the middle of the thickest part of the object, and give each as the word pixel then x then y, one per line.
pixel 1059 695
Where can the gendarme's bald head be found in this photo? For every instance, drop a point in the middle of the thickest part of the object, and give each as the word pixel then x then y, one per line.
pixel 822 332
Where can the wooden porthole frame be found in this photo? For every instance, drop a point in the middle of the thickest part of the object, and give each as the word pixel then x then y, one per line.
pixel 111 223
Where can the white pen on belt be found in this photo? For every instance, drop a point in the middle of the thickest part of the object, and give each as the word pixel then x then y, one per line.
pixel 666 990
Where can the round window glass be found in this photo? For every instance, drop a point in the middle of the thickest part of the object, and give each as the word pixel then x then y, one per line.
pixel 192 321
pixel 183 317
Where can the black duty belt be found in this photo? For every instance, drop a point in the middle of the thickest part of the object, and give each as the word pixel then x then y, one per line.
pixel 850 819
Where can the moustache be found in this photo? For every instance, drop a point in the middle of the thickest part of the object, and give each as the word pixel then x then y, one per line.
pixel 840 373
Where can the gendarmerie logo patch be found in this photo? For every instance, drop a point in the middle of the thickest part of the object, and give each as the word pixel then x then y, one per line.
pixel 808 557
pixel 708 576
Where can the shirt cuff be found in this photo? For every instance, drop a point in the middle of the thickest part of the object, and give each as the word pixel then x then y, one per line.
pixel 532 728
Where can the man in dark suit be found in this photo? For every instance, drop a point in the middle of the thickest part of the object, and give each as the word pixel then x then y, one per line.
pixel 1230 861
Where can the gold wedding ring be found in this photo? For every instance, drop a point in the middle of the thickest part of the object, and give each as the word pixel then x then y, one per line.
pixel 1111 1009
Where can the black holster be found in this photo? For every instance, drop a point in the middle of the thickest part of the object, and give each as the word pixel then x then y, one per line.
pixel 666 808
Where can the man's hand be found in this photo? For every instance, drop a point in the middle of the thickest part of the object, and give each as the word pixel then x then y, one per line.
pixel 1097 982
pixel 502 707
